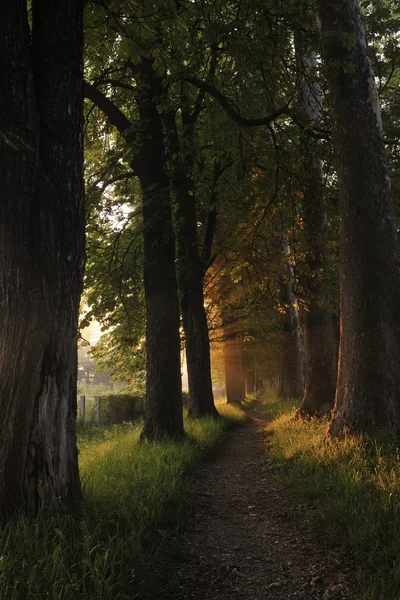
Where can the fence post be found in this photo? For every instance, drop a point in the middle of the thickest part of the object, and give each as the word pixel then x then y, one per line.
pixel 82 407
pixel 97 411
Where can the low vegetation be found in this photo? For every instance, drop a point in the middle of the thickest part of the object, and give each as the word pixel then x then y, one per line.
pixel 355 486
pixel 133 497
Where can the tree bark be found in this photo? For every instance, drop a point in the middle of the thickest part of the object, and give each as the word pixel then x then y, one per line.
pixel 42 218
pixel 367 395
pixel 190 271
pixel 319 341
pixel 194 319
pixel 163 414
pixel 234 376
pixel 291 370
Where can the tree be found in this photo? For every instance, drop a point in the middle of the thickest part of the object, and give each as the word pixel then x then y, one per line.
pixel 163 414
pixel 193 248
pixel 233 360
pixel 319 341
pixel 42 218
pixel 193 257
pixel 290 383
pixel 145 140
pixel 367 395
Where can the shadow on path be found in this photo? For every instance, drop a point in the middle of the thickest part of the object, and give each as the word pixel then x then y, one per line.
pixel 247 541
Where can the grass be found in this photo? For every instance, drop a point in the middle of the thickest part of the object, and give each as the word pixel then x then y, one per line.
pixel 354 483
pixel 133 498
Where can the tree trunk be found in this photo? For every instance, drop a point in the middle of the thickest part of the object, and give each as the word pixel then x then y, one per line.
pixel 250 379
pixel 367 395
pixel 319 341
pixel 42 219
pixel 190 272
pixel 163 414
pixel 234 377
pixel 259 384
pixel 275 378
pixel 194 319
pixel 290 371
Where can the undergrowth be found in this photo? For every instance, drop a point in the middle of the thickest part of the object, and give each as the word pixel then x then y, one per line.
pixel 132 502
pixel 354 483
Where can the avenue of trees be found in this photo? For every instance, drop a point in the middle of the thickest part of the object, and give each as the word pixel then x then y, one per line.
pixel 242 175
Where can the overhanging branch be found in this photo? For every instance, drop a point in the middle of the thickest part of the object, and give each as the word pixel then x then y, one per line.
pixel 226 104
pixel 229 109
pixel 115 116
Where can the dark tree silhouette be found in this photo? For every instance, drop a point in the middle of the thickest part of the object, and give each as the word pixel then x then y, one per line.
pixel 42 218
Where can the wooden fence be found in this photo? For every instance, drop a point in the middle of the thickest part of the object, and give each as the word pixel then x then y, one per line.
pixel 111 408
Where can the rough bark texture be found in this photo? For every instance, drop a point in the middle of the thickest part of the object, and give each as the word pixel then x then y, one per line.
pixel 190 271
pixel 41 252
pixel 291 371
pixel 163 414
pixel 234 376
pixel 319 341
pixel 367 395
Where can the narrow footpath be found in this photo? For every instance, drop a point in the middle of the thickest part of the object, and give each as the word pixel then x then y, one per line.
pixel 246 540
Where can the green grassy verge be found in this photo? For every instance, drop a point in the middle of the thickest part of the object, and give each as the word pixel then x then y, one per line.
pixel 355 483
pixel 133 495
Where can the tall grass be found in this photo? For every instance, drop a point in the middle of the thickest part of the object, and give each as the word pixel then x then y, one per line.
pixel 133 496
pixel 354 483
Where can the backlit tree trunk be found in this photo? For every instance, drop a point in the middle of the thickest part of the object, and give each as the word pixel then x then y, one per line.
pixel 190 270
pixel 234 376
pixel 319 341
pixel 368 386
pixel 42 219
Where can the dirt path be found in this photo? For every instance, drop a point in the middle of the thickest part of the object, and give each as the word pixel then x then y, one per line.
pixel 246 541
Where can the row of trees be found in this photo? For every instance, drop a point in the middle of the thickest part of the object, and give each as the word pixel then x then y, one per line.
pixel 193 209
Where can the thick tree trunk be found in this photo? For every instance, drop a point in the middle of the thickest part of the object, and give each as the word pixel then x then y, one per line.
pixel 367 395
pixel 190 273
pixel 234 376
pixel 163 414
pixel 290 371
pixel 319 341
pixel 41 252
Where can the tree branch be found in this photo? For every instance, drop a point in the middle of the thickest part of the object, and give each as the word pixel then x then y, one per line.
pixel 206 259
pixel 200 98
pixel 116 83
pixel 115 116
pixel 127 175
pixel 226 104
